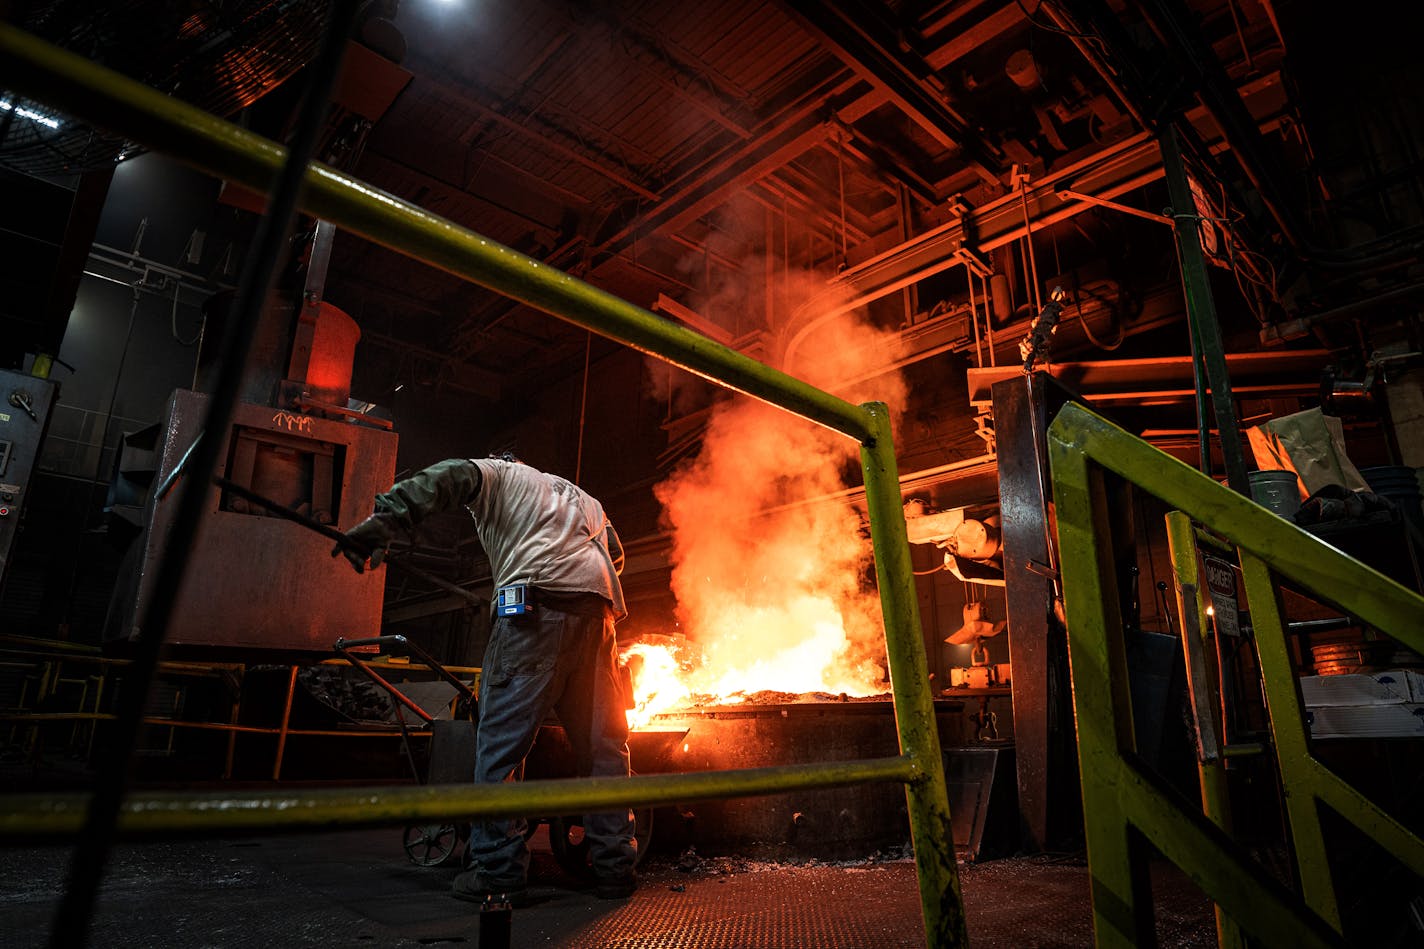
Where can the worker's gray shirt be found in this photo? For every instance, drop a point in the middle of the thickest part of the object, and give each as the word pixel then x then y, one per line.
pixel 540 529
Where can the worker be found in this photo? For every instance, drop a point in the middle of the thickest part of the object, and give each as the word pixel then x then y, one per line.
pixel 555 560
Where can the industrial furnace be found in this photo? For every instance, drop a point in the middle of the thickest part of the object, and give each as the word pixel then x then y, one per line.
pixel 253 581
pixel 826 823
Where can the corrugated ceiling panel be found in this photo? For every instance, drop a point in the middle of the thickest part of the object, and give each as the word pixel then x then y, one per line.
pixel 747 47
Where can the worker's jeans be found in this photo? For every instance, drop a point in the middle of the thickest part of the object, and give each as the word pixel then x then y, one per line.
pixel 564 660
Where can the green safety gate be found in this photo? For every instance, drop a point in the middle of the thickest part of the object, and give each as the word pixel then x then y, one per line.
pixel 85 90
pixel 1124 806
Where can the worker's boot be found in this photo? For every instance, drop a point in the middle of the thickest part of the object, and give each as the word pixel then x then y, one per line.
pixel 472 887
pixel 616 887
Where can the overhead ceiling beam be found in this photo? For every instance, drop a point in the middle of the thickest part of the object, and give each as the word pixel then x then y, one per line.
pixel 669 69
pixel 775 196
pixel 892 165
pixel 1158 88
pixel 860 38
pixel 948 15
pixel 966 39
pixel 734 168
pixel 398 169
pixel 1179 31
pixel 795 179
pixel 1110 173
pixel 543 141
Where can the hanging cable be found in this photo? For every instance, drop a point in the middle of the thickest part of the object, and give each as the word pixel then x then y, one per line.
pixel 785 249
pixel 974 318
pixel 840 174
pixel 173 319
pixel 1028 244
pixel 988 319
pixel 1087 330
pixel 583 408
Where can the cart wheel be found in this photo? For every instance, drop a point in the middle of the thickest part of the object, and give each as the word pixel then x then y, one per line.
pixel 430 845
pixel 570 847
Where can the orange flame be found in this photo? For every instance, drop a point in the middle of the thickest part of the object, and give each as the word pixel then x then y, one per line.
pixel 770 565
pixel 658 685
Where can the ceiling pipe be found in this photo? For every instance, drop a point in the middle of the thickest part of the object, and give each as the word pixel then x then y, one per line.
pixel 1116 170
pixel 1114 77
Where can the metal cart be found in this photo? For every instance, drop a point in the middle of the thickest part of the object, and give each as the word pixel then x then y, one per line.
pixel 452 761
pixel 452 743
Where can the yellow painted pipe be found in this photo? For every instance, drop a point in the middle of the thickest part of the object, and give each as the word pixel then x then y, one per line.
pixel 83 89
pixel 32 817
pixel 927 798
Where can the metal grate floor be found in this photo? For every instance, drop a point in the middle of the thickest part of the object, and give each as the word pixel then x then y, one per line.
pixel 356 888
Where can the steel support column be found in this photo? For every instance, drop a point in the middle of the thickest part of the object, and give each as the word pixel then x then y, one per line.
pixel 1207 348
pixel 1021 416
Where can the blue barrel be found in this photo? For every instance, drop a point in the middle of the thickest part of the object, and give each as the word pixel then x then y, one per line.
pixel 1400 484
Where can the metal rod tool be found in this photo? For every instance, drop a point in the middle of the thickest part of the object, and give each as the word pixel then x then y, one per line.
pixel 281 510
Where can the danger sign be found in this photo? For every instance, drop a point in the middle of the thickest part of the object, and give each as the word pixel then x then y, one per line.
pixel 1221 585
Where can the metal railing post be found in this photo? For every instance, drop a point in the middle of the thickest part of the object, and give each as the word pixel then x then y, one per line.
pixel 1123 803
pixel 927 794
pixel 1202 672
pixel 1101 706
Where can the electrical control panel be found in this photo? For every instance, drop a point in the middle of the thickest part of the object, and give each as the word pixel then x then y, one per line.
pixel 25 404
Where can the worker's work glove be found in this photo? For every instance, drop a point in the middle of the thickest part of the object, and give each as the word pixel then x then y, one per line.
pixel 369 539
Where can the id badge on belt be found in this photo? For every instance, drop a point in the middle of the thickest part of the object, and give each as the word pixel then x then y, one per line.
pixel 512 600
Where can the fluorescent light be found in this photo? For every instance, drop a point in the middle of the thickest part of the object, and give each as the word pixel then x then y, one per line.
pixel 8 106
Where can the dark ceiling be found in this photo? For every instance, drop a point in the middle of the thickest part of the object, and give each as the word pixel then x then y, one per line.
pixel 754 169
pixel 684 152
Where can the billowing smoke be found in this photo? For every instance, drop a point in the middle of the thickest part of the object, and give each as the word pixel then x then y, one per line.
pixel 773 585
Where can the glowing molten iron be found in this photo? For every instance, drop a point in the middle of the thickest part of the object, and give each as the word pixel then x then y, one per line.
pixel 665 679
pixel 801 647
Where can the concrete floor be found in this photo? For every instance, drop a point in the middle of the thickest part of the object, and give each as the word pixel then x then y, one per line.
pixel 357 888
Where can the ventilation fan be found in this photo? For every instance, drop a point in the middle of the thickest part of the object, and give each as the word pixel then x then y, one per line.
pixel 219 55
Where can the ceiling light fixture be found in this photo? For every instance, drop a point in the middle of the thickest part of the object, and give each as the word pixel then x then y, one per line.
pixel 7 106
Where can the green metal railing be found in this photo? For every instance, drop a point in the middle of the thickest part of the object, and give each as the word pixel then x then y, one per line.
pixel 86 91
pixel 1124 805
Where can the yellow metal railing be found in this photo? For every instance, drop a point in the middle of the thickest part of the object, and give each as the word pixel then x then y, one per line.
pixel 48 666
pixel 1124 805
pixel 86 91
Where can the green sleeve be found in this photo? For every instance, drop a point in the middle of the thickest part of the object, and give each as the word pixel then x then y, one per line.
pixel 444 486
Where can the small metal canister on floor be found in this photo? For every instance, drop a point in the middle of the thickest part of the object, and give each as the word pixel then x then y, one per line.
pixel 496 922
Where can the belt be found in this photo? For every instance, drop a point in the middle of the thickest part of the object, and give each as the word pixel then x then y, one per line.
pixel 580 602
